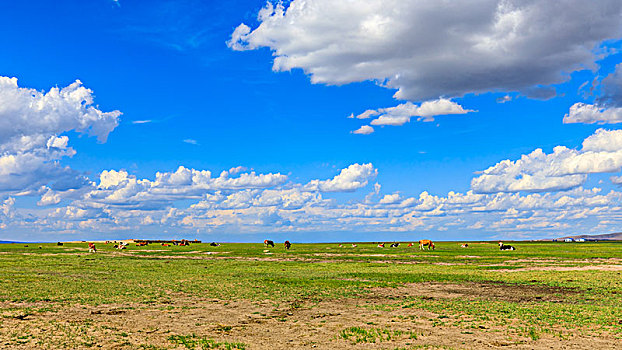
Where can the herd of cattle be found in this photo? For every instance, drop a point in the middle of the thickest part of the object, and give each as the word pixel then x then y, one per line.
pixel 423 244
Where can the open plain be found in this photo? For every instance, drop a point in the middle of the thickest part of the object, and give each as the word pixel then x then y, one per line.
pixel 544 295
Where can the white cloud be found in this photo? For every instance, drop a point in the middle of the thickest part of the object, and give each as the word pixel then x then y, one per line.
pixel 191 141
pixel 504 99
pixel 401 114
pixel 593 114
pixel 118 188
pixel 349 179
pixel 616 180
pixel 427 49
pixel 364 130
pixel 294 207
pixel 28 112
pixel 7 206
pixel 237 169
pixel 390 198
pixel 365 115
pixel 607 108
pixel 146 121
pixel 30 124
pixel 49 198
pixel 561 170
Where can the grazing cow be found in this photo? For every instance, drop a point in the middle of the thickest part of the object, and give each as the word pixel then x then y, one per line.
pixel 410 244
pixel 92 248
pixel 166 245
pixel 214 244
pixel 340 245
pixel 354 245
pixel 59 243
pixel 426 243
pixel 268 242
pixel 381 245
pixel 464 245
pixel 395 245
pixel 505 247
pixel 287 245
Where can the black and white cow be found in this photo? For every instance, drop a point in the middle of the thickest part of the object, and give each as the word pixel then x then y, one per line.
pixel 505 247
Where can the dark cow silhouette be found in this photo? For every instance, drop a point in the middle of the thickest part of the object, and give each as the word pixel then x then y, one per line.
pixel 268 242
pixel 214 244
pixel 395 245
pixel 505 246
pixel 287 245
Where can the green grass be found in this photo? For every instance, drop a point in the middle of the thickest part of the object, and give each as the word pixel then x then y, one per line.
pixel 314 272
pixel 195 342
pixel 371 335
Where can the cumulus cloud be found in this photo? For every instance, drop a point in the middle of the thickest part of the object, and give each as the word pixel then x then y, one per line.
pixel 390 198
pixel 49 198
pixel 563 169
pixel 427 49
pixel 119 188
pixel 28 112
pixel 31 122
pixel 292 207
pixel 593 114
pixel 401 114
pixel 607 108
pixel 237 169
pixel 349 179
pixel 364 130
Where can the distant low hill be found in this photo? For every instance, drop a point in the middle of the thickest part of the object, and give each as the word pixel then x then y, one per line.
pixel 617 236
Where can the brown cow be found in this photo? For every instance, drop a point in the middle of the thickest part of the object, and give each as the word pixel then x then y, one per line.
pixel 287 245
pixel 426 243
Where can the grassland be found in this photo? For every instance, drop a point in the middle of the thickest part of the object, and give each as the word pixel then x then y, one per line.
pixel 244 296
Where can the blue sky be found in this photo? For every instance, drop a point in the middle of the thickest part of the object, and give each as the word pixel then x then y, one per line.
pixel 458 95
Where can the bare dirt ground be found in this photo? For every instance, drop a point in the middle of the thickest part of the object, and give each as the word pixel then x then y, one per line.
pixel 298 325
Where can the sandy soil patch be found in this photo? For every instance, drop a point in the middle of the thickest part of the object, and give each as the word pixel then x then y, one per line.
pixel 566 268
pixel 272 325
pixel 486 291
